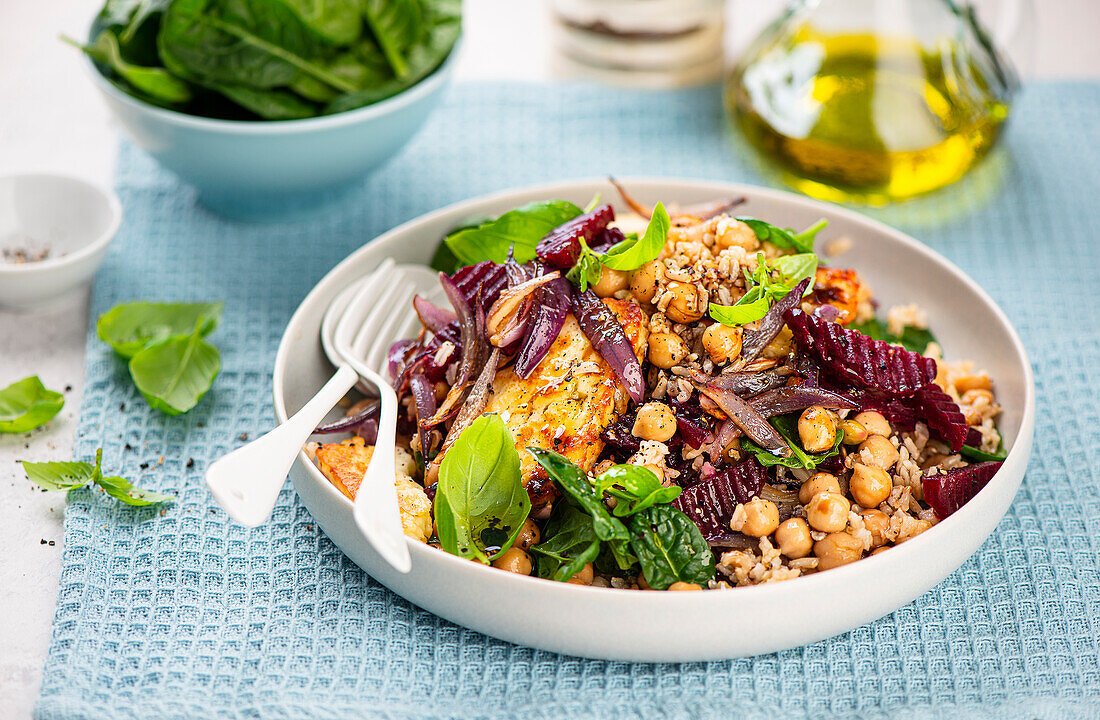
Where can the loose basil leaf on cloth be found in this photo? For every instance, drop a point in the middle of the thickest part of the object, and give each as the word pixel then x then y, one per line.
pixel 519 229
pixel 670 548
pixel 635 488
pixel 174 374
pixel 570 543
pixel 911 338
pixel 131 327
pixel 479 494
pixel 632 253
pixel 72 475
pixel 27 404
pixel 152 83
pixel 787 426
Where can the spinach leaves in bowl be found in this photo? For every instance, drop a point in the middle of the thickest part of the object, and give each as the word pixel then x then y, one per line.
pixel 271 59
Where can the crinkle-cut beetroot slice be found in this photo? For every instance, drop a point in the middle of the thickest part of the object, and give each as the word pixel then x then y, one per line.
pixel 562 246
pixel 947 491
pixel 942 414
pixel 711 502
pixel 857 359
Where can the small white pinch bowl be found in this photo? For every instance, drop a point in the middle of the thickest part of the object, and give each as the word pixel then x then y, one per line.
pixel 73 218
pixel 677 627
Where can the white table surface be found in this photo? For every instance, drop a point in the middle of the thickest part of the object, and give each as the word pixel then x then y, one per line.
pixel 51 119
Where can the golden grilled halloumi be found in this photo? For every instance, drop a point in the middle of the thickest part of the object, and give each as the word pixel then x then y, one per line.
pixel 569 399
pixel 344 463
pixel 840 288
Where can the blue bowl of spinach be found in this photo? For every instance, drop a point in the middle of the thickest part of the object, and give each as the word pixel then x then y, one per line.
pixel 269 107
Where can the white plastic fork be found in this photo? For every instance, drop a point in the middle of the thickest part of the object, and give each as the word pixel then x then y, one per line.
pixel 356 333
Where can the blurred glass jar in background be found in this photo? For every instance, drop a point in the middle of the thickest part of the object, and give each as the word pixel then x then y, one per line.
pixel 650 43
pixel 879 100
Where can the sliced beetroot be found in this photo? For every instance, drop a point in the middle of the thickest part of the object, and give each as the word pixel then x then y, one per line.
pixel 606 239
pixel 562 246
pixel 902 416
pixel 942 414
pixel 856 359
pixel 973 437
pixel 947 491
pixel 711 502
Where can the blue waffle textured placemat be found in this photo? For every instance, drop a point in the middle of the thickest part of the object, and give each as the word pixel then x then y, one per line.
pixel 185 615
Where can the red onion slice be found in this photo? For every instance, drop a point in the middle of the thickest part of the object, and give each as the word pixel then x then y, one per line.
pixel 432 317
pixel 551 308
pixel 424 395
pixel 607 336
pixel 797 397
pixel 562 246
pixel 351 422
pixel 753 342
pixel 751 423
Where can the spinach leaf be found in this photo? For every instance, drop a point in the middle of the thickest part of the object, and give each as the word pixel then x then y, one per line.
pixel 337 21
pixel 174 374
pixel 972 453
pixel 911 338
pixel 574 482
pixel 632 253
pixel 268 104
pixel 479 489
pixel 635 487
pixel 131 327
pixel 357 66
pixel 256 43
pixel 784 239
pixel 72 475
pixel 396 25
pixel 670 548
pixel 570 543
pixel 152 83
pixel 520 229
pixel 787 426
pixel 805 239
pixel 27 404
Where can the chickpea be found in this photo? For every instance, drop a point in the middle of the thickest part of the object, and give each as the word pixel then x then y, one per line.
pixel 681 585
pixel 836 549
pixel 688 303
pixel 793 537
pixel 645 281
pixel 611 282
pixel 514 560
pixel 874 423
pixel 869 485
pixel 761 517
pixel 585 576
pixel 667 350
pixel 655 421
pixel 736 233
pixel 781 346
pixel 817 429
pixel 877 523
pixel 973 382
pixel 828 512
pixel 528 535
pixel 854 433
pixel 882 451
pixel 972 397
pixel 879 551
pixel 722 343
pixel 818 483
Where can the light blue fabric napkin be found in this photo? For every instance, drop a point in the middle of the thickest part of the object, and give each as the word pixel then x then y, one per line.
pixel 186 615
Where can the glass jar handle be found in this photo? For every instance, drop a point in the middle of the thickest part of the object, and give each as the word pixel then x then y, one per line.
pixel 1009 24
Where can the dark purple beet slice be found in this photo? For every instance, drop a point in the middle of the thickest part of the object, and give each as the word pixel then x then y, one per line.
pixel 606 238
pixel 711 502
pixel 948 491
pixel 935 407
pixel 620 436
pixel 854 358
pixel 562 246
pixel 487 278
pixel 973 437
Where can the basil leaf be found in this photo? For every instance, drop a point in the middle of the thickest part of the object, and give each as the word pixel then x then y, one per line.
pixel 121 489
pixel 911 338
pixel 793 269
pixel 574 482
pixel 27 404
pixel 587 270
pixel 752 306
pixel 635 487
pixel 59 475
pixel 479 489
pixel 787 426
pixel 571 542
pixel 131 327
pixel 670 548
pixel 631 254
pixel 784 239
pixel 174 374
pixel 520 229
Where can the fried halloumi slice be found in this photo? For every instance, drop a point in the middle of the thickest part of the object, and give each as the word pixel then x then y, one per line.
pixel 840 288
pixel 570 397
pixel 344 463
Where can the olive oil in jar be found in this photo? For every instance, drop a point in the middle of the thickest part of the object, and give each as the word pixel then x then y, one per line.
pixel 866 118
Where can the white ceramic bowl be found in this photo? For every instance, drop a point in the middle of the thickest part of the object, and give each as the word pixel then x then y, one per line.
pixel 72 218
pixel 655 626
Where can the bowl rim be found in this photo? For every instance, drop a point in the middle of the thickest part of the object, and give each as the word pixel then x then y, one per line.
pixel 911 550
pixel 89 249
pixel 410 95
